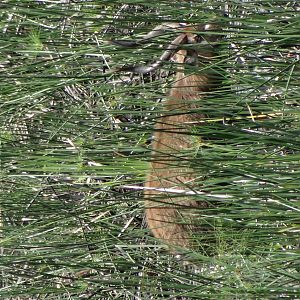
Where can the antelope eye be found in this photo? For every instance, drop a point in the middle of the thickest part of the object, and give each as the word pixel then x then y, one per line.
pixel 198 39
pixel 191 58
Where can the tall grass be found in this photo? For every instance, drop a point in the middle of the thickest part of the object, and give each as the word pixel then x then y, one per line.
pixel 74 134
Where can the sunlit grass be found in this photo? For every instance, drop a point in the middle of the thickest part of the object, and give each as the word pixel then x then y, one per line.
pixel 75 137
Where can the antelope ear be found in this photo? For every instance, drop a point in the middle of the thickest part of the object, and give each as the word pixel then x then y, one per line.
pixel 215 33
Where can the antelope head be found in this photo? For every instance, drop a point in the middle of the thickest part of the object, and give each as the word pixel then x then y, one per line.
pixel 184 35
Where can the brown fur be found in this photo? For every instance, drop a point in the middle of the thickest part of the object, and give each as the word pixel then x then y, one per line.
pixel 167 213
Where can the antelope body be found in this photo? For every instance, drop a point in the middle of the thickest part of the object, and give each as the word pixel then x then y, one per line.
pixel 170 176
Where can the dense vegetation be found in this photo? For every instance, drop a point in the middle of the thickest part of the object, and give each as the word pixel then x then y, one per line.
pixel 75 135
